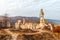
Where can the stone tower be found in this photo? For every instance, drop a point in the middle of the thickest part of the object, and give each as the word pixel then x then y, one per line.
pixel 41 18
pixel 23 20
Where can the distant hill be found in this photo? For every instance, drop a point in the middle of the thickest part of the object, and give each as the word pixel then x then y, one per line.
pixel 35 18
pixel 53 21
pixel 14 19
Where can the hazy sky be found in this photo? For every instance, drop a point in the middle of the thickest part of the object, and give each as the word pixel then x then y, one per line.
pixel 31 8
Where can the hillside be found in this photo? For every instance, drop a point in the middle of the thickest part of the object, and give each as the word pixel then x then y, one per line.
pixel 32 19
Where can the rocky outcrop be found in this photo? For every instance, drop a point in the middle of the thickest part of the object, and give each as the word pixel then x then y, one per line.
pixel 42 35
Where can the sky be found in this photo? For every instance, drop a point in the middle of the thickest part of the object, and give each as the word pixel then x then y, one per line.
pixel 31 8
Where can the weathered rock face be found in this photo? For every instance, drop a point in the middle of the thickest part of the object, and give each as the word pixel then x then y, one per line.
pixel 42 36
pixel 21 37
pixel 5 37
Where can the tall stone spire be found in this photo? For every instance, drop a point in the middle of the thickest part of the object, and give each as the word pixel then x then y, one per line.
pixel 23 20
pixel 41 18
